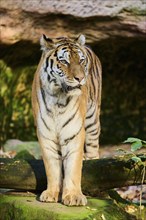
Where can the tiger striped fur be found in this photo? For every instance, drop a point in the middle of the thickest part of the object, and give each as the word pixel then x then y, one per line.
pixel 66 97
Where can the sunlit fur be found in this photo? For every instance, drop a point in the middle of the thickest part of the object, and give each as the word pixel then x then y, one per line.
pixel 66 97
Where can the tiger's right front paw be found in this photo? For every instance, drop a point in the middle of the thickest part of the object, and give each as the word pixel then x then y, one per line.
pixel 47 196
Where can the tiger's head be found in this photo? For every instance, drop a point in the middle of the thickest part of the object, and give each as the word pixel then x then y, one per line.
pixel 64 63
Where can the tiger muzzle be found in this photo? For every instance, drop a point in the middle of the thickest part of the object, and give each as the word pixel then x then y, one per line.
pixel 67 88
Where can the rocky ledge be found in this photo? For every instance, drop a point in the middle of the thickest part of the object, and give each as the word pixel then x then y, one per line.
pixel 97 19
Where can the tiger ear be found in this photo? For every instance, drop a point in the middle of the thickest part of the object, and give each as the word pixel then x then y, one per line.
pixel 81 40
pixel 46 43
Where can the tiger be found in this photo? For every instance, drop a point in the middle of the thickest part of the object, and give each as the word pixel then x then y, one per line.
pixel 66 99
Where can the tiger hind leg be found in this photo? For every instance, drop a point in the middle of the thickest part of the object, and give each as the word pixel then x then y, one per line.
pixel 91 148
pixel 91 152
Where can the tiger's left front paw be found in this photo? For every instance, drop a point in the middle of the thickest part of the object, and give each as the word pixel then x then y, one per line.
pixel 74 199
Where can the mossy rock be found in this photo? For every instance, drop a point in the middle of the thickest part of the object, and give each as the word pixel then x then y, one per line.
pixel 29 208
pixel 24 149
pixel 24 154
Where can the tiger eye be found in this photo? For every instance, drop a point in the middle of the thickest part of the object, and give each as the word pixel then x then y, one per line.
pixel 82 60
pixel 64 62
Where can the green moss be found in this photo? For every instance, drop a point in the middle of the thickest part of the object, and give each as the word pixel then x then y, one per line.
pixel 135 11
pixel 24 154
pixel 16 112
pixel 26 208
pixel 32 209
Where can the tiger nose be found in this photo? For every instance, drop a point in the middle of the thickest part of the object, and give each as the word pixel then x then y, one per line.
pixel 79 78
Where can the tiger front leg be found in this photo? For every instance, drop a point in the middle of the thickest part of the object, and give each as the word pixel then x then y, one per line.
pixel 72 161
pixel 53 166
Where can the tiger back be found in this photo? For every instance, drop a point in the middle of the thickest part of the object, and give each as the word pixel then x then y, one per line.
pixel 66 98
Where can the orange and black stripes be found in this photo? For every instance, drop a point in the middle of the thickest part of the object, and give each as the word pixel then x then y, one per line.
pixel 58 99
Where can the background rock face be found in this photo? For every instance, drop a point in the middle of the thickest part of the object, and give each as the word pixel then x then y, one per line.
pixel 116 31
pixel 97 19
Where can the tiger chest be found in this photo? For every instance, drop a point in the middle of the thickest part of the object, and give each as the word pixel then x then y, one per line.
pixel 60 117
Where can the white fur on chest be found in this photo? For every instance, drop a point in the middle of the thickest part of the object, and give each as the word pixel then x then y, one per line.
pixel 59 113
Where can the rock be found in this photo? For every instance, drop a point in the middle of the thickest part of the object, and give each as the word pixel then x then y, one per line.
pixel 24 154
pixel 28 207
pixel 97 19
pixel 23 149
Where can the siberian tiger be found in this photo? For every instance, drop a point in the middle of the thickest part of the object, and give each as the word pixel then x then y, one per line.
pixel 66 97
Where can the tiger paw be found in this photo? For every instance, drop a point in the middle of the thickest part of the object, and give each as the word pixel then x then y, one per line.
pixel 75 199
pixel 47 196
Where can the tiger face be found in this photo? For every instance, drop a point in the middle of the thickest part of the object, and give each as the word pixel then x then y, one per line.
pixel 65 66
